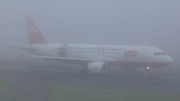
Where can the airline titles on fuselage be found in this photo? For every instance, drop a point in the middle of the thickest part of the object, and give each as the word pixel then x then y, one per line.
pixel 63 50
pixel 130 53
pixel 95 48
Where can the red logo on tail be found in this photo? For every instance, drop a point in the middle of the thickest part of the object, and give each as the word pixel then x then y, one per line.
pixel 32 30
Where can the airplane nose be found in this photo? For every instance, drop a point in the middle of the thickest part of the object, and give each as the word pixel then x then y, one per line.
pixel 169 60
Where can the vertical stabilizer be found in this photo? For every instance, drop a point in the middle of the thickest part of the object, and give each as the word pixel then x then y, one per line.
pixel 34 34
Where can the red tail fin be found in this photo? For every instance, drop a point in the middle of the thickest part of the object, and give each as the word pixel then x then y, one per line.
pixel 34 34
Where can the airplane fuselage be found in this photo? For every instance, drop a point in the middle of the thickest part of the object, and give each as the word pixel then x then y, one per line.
pixel 116 55
pixel 93 58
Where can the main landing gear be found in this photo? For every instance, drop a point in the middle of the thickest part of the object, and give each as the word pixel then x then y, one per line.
pixel 148 75
pixel 84 70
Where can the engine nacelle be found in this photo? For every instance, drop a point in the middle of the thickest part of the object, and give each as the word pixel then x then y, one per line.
pixel 97 67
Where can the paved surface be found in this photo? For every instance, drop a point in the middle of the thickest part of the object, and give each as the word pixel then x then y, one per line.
pixel 28 83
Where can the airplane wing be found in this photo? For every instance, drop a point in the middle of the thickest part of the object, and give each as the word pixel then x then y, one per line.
pixel 58 58
pixel 67 59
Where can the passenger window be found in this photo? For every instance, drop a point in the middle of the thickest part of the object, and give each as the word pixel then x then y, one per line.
pixel 158 53
pixel 154 53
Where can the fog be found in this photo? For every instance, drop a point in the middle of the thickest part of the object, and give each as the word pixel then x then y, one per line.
pixel 120 22
pixel 109 22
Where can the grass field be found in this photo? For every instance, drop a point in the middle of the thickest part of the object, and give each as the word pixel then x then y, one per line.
pixel 3 89
pixel 82 93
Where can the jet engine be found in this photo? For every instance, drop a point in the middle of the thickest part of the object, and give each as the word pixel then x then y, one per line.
pixel 97 67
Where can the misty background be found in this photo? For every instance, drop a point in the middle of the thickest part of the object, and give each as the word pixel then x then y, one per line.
pixel 120 22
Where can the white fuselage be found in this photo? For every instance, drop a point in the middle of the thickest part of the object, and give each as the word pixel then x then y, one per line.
pixel 124 56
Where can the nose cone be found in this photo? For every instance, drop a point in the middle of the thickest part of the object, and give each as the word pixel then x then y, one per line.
pixel 168 60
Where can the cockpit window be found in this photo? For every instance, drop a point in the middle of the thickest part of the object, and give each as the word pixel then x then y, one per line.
pixel 159 53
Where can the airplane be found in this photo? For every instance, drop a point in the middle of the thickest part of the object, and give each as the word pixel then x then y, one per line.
pixel 94 58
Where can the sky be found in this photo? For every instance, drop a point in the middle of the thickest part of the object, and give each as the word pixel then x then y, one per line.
pixel 118 22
